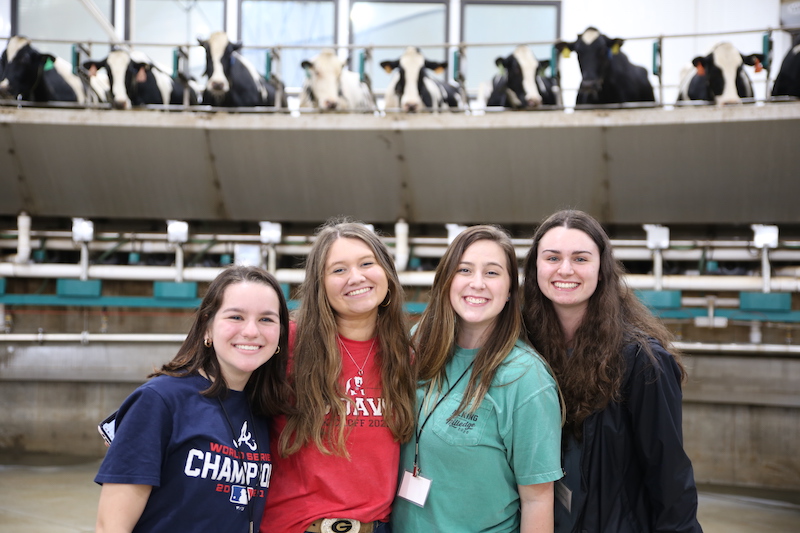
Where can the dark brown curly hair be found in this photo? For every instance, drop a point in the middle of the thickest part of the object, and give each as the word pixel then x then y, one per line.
pixel 591 376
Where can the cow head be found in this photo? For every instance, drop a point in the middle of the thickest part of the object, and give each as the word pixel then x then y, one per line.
pixel 521 69
pixel 219 57
pixel 724 75
pixel 324 72
pixel 23 69
pixel 410 86
pixel 125 71
pixel 595 52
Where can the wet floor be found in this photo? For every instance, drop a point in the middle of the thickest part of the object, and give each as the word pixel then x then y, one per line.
pixel 39 497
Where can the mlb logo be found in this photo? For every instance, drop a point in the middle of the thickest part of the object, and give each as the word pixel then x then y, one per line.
pixel 239 495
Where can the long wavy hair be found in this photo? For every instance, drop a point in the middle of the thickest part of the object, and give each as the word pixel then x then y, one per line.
pixel 434 340
pixel 320 400
pixel 267 388
pixel 592 375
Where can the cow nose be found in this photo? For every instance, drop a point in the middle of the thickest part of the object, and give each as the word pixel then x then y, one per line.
pixel 119 104
pixel 729 101
pixel 330 105
pixel 411 107
pixel 534 102
pixel 217 86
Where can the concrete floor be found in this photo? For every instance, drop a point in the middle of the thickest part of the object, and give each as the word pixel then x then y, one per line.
pixel 63 499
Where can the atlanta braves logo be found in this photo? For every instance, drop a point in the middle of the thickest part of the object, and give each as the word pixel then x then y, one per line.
pixel 246 437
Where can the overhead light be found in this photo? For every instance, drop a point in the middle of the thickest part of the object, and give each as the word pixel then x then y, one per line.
pixel 177 231
pixel 657 236
pixel 82 230
pixel 765 236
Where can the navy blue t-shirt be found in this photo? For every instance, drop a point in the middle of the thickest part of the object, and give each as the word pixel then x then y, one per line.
pixel 169 436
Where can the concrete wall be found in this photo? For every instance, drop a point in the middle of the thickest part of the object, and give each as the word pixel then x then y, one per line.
pixel 741 414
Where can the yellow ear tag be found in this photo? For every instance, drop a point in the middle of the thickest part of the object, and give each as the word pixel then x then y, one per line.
pixel 565 52
pixel 615 49
pixel 388 69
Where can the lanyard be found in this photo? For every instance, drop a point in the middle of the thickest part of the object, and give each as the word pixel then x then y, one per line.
pixel 241 461
pixel 418 433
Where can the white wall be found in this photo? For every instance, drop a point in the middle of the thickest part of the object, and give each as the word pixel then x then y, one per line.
pixel 629 19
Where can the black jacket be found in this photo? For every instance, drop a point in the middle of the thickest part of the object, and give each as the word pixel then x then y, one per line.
pixel 636 476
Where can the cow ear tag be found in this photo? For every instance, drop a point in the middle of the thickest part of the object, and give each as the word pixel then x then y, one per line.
pixel 759 66
pixel 565 52
pixel 49 65
pixel 615 49
pixel 701 70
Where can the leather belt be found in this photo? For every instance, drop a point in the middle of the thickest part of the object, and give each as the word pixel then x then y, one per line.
pixel 340 525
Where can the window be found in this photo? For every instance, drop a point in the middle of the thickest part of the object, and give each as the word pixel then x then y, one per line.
pixel 64 20
pixel 420 24
pixel 288 23
pixel 513 23
pixel 169 23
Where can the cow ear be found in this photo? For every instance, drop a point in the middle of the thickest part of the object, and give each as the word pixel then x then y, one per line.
pixel 564 48
pixel 201 42
pixel 542 66
pixel 754 60
pixel 306 64
pixel 389 66
pixel 615 45
pixel 436 66
pixel 236 46
pixel 700 64
pixel 500 62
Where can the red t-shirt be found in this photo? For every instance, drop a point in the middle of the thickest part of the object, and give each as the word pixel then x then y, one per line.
pixel 309 485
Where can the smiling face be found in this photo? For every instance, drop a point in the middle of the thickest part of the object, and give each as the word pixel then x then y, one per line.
pixel 479 290
pixel 355 283
pixel 245 331
pixel 568 269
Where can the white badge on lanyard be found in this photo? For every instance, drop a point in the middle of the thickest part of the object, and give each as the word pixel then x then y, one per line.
pixel 414 488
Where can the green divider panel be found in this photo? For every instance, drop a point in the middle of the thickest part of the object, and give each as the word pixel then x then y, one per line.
pixel 76 288
pixel 769 301
pixel 660 299
pixel 173 290
pixel 2 285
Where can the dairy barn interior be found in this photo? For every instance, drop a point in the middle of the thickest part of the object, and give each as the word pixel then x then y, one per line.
pixel 112 222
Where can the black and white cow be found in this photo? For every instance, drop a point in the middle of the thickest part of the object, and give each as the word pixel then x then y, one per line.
pixel 38 77
pixel 232 80
pixel 788 81
pixel 413 88
pixel 719 77
pixel 135 80
pixel 329 86
pixel 521 83
pixel 608 76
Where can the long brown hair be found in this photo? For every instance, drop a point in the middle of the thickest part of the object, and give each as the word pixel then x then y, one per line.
pixel 435 337
pixel 317 360
pixel 592 375
pixel 267 388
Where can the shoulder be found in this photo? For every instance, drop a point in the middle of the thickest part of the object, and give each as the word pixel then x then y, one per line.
pixel 651 359
pixel 523 364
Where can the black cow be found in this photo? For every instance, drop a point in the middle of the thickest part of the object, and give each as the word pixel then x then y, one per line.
pixel 719 76
pixel 521 83
pixel 788 81
pixel 232 80
pixel 608 76
pixel 135 80
pixel 412 88
pixel 34 76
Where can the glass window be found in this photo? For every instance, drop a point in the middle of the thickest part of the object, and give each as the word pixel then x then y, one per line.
pixel 170 23
pixel 401 24
pixel 62 20
pixel 288 23
pixel 5 17
pixel 521 23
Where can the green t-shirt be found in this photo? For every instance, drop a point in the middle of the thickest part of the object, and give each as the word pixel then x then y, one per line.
pixel 475 461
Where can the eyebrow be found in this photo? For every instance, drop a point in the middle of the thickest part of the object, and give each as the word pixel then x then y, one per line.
pixel 242 311
pixel 358 259
pixel 491 263
pixel 576 252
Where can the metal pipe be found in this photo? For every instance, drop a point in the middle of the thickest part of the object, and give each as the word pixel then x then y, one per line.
pixel 658 269
pixel 179 263
pixel 736 348
pixel 85 337
pixel 84 264
pixel 765 269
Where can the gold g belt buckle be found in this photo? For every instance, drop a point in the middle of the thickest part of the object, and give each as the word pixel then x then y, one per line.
pixel 340 525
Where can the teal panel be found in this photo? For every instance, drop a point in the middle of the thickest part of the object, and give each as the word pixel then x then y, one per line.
pixel 660 299
pixel 769 301
pixel 186 290
pixel 76 288
pixel 2 285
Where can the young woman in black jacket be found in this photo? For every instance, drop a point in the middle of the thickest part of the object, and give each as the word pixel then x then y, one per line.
pixel 626 470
